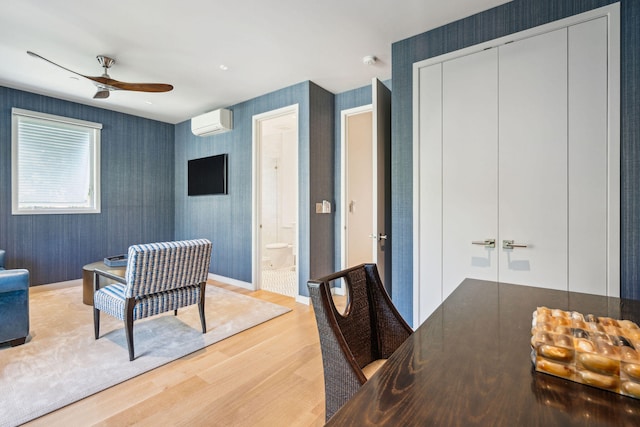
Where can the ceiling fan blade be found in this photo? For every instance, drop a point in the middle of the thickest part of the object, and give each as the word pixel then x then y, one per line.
pixel 35 55
pixel 144 87
pixel 140 87
pixel 101 94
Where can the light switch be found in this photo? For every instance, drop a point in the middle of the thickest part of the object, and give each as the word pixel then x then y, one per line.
pixel 323 207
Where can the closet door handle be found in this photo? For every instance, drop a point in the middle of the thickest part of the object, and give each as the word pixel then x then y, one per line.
pixel 487 243
pixel 509 244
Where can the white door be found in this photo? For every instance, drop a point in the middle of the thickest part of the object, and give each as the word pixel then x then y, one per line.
pixel 591 188
pixel 533 160
pixel 427 201
pixel 470 169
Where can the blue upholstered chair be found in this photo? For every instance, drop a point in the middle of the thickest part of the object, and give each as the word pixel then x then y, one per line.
pixel 14 304
pixel 160 277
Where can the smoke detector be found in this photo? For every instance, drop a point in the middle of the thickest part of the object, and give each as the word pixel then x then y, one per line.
pixel 369 60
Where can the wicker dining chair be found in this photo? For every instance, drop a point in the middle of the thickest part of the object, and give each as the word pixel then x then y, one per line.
pixel 354 343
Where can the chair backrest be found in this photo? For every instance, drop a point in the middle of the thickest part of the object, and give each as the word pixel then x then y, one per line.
pixel 358 324
pixel 163 266
pixel 370 329
pixel 390 327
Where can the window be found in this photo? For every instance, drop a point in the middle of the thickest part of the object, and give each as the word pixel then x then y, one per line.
pixel 55 164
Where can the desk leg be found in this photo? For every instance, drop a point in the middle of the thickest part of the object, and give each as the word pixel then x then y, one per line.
pixel 87 287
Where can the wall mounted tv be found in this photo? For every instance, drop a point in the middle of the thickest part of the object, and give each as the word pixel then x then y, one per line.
pixel 207 175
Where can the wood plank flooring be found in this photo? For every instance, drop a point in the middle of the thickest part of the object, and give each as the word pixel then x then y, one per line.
pixel 269 375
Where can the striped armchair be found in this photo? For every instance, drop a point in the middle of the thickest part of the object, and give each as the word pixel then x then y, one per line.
pixel 159 277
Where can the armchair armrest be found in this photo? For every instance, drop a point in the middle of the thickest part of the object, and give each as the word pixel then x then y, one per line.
pixel 114 277
pixel 14 280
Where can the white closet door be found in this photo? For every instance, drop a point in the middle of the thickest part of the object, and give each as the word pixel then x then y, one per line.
pixel 588 157
pixel 430 183
pixel 470 168
pixel 533 160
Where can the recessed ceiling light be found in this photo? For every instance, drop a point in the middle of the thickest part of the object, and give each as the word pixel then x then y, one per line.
pixel 223 67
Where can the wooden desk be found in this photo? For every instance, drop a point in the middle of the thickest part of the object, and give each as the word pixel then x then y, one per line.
pixel 87 278
pixel 469 364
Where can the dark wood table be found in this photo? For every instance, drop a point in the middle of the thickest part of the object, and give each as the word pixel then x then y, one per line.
pixel 87 278
pixel 469 363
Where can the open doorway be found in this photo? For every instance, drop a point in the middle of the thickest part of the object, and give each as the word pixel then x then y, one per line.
pixel 359 245
pixel 365 149
pixel 276 201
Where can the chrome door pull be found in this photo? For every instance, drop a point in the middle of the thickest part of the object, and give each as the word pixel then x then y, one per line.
pixel 487 243
pixel 509 244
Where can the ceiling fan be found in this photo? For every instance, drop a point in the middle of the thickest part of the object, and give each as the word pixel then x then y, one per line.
pixel 106 84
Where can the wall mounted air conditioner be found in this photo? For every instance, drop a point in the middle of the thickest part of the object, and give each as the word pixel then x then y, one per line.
pixel 213 122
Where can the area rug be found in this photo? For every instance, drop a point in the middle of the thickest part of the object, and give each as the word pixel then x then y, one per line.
pixel 62 362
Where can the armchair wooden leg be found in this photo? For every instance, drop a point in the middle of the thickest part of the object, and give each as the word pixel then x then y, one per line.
pixel 175 312
pixel 203 320
pixel 128 324
pixel 96 322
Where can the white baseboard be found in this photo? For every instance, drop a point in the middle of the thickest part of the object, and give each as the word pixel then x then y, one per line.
pixel 230 281
pixel 338 291
pixel 303 300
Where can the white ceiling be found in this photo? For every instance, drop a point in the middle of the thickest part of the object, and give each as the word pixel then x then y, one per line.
pixel 266 44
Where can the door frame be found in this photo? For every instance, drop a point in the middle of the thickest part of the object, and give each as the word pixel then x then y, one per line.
pixel 344 115
pixel 256 193
pixel 612 12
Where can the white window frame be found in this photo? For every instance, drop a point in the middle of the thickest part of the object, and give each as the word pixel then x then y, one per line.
pixel 94 129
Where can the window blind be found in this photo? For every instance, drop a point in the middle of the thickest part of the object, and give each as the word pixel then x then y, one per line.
pixel 56 164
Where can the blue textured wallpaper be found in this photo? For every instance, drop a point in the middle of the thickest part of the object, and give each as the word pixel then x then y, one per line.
pixel 136 185
pixel 510 18
pixel 226 220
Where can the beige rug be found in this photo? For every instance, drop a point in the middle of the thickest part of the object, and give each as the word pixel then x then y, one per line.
pixel 62 362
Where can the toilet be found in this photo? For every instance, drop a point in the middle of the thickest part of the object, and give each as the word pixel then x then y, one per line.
pixel 278 253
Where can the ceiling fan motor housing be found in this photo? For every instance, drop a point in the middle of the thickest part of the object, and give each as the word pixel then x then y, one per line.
pixel 105 61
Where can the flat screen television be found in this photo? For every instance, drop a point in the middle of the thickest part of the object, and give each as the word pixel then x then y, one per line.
pixel 207 175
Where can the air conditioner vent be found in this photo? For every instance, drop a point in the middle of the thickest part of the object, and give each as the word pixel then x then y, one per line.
pixel 212 123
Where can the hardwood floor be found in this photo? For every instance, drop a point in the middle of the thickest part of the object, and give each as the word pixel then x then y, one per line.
pixel 270 375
